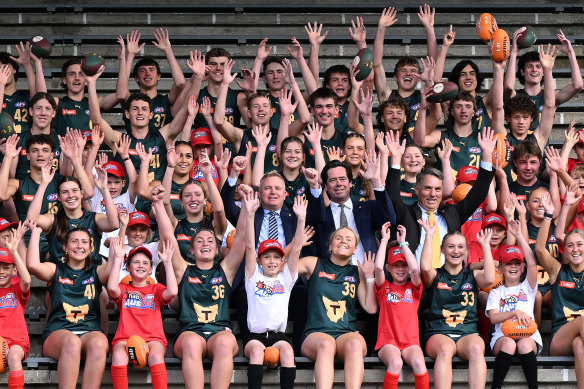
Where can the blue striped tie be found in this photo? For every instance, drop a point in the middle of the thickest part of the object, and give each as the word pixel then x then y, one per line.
pixel 272 226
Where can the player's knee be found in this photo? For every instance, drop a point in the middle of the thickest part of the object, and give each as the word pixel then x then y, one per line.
pixel 477 349
pixel 508 345
pixel 287 355
pixel 395 364
pixel 71 346
pixel 14 357
pixel 445 350
pixel 354 348
pixel 257 353
pixel 525 345
pixel 578 346
pixel 327 348
pixel 98 347
pixel 223 345
pixel 155 358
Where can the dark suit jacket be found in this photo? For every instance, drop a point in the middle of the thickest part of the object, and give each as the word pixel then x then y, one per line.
pixel 454 215
pixel 369 217
pixel 314 216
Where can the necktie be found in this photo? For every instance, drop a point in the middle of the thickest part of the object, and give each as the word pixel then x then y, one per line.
pixel 436 255
pixel 272 226
pixel 343 218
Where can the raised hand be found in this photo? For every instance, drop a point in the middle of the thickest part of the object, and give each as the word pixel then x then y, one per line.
pixel 430 230
pixel 102 159
pixel 205 164
pixel 299 207
pixel 387 18
pixel 386 232
pixel 196 63
pixel 171 155
pixel 368 265
pixel 514 227
pixel 123 217
pixel 122 48
pixel 248 84
pixel 308 234
pixel 118 247
pixel 97 135
pixel 552 159
pixel 449 37
pixel 314 34
pixel 357 30
pixel 251 202
pixel 24 54
pixel 396 148
pixel 123 146
pixel 262 135
pixel 446 150
pixel 133 39
pixel 296 50
pixel 571 198
pixel 519 205
pixel 313 133
pixel 162 41
pixel 373 168
pixel 285 99
pixel 13 239
pixel 223 163
pixel 167 251
pixel 509 208
pixel 206 107
pixel 11 149
pixel 566 46
pixel 426 16
pixel 366 105
pixel 487 141
pixel 263 53
pixel 239 164
pixel 548 204
pixel 157 193
pixel 69 146
pixel 193 106
pixel 101 180
pixel 5 72
pixel 228 77
pixel 311 176
pixel 572 136
pixel 381 146
pixel 144 156
pixel 548 56
pixel 334 153
pixel 484 237
pixel 428 74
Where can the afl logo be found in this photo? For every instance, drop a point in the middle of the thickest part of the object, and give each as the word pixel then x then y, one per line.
pixel 52 197
pixel 20 104
pixel 415 107
pixel 216 280
pixel 87 112
pixel 158 110
pixel 349 279
pixel 479 112
pixel 273 148
pixel 228 111
pixel 467 286
pixel 475 150
pixel 300 191
pixel 155 149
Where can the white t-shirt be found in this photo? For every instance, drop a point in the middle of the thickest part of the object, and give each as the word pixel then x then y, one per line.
pixel 267 300
pixel 521 297
pixel 153 247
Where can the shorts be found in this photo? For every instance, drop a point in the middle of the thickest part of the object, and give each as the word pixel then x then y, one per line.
pixel 79 334
pixel 543 289
pixel 333 334
pixel 25 347
pixel 268 338
pixel 203 334
pixel 454 337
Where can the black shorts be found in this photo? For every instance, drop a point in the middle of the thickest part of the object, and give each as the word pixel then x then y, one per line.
pixel 268 339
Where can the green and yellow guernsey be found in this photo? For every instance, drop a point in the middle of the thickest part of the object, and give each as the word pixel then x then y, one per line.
pixel 87 221
pixel 161 114
pixel 336 141
pixel 465 150
pixel 567 297
pixel 74 300
pixel 552 246
pixel 184 232
pixel 297 187
pixel 453 304
pixel 17 106
pixel 204 300
pixel 177 207
pixel 332 293
pixel 276 113
pixel 358 193
pixel 271 160
pixel 72 114
pixel 155 141
pixel 23 166
pixel 232 114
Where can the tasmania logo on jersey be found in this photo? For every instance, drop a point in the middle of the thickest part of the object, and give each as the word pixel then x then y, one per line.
pixel 8 301
pixel 264 290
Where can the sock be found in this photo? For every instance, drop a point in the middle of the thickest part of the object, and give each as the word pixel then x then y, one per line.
pixel 16 379
pixel 120 377
pixel 529 366
pixel 502 363
pixel 287 377
pixel 255 375
pixel 422 381
pixel 390 381
pixel 159 377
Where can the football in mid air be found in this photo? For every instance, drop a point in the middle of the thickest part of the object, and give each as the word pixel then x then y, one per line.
pixel 526 38
pixel 499 45
pixel 442 91
pixel 92 63
pixel 363 62
pixel 485 26
pixel 40 46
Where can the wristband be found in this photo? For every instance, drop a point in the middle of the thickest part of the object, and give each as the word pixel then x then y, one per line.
pixel 549 216
pixel 144 164
pixel 369 280
pixel 126 159
pixel 404 244
pixel 172 167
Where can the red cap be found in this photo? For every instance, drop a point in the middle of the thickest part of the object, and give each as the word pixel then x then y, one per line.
pixel 493 218
pixel 139 249
pixel 467 174
pixel 5 256
pixel 114 168
pixel 510 253
pixel 86 134
pixel 201 136
pixel 270 244
pixel 137 218
pixel 578 134
pixel 395 254
pixel 4 224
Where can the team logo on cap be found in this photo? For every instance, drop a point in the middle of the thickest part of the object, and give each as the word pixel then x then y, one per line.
pixel 158 110
pixel 216 280
pixel 272 244
pixel 4 221
pixel 512 249
pixel 493 219
pixel 397 251
pixel 3 253
pixel 138 216
pixel 199 134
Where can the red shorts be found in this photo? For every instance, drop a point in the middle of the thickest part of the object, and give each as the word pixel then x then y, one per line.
pixel 25 347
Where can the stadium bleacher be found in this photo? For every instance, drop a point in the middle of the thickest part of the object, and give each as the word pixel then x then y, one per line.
pixel 77 29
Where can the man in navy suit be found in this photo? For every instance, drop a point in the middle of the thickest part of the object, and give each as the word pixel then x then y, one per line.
pixel 363 217
pixel 273 222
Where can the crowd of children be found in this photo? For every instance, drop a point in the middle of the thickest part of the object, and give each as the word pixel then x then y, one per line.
pixel 289 205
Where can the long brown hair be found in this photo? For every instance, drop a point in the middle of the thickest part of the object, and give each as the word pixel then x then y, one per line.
pixel 61 217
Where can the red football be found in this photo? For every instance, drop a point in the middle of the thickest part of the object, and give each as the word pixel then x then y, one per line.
pixel 40 46
pixel 442 91
pixel 526 37
pixel 513 329
pixel 92 63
